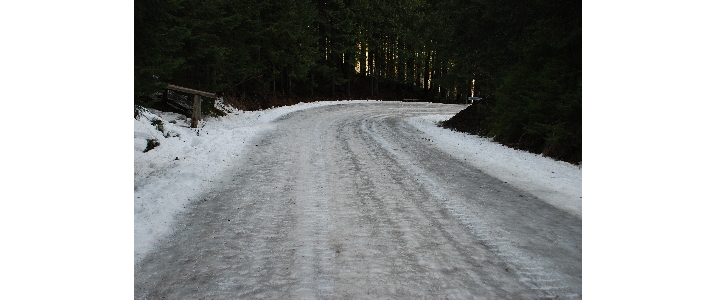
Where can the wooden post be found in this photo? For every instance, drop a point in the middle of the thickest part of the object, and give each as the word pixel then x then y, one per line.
pixel 197 107
pixel 191 91
pixel 196 111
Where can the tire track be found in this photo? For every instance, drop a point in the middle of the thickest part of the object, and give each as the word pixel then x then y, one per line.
pixel 350 202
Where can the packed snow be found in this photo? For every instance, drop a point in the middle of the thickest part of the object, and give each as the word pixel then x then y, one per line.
pixel 554 182
pixel 188 161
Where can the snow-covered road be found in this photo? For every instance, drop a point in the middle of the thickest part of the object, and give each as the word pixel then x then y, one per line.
pixel 353 201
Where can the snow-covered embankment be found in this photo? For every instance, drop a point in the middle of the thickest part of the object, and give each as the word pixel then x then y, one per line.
pixel 186 161
pixel 554 182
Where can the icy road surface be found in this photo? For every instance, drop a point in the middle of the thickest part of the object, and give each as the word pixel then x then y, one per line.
pixel 351 201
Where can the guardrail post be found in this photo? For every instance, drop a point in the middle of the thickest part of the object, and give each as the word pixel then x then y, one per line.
pixel 196 111
pixel 197 107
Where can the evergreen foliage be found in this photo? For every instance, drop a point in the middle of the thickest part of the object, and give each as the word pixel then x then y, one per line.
pixel 522 57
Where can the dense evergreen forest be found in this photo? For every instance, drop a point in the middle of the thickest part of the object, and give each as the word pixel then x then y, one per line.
pixel 522 57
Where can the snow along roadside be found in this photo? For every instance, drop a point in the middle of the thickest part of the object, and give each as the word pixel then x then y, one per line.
pixel 187 160
pixel 554 182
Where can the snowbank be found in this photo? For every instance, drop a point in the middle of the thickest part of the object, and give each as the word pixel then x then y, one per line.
pixel 187 160
pixel 554 182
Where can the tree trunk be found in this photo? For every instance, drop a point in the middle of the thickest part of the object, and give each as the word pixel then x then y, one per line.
pixel 370 67
pixel 426 73
pixel 401 61
pixel 410 72
pixel 362 59
pixel 376 86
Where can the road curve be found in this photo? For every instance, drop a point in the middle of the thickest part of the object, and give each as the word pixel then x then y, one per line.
pixel 350 201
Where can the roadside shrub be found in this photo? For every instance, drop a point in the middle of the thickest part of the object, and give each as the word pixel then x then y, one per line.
pixel 139 111
pixel 209 109
pixel 158 124
pixel 470 120
pixel 151 144
pixel 170 134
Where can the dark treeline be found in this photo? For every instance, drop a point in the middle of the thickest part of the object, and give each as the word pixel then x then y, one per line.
pixel 522 57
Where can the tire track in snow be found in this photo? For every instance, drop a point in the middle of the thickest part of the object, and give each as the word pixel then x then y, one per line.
pixel 346 202
pixel 314 223
pixel 531 272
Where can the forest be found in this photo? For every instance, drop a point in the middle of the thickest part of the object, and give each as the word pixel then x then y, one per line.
pixel 523 58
